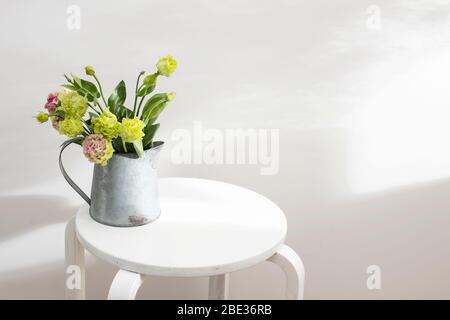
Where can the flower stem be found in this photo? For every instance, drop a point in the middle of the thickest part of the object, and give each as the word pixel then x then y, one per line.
pixel 101 91
pixel 140 103
pixel 86 128
pixel 96 102
pixel 135 93
pixel 95 110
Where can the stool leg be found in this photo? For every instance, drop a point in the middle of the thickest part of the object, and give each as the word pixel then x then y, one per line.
pixel 218 287
pixel 74 256
pixel 125 285
pixel 292 265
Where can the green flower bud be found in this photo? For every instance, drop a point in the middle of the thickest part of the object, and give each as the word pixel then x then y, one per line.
pixel 42 117
pixel 171 96
pixel 150 79
pixel 166 66
pixel 89 70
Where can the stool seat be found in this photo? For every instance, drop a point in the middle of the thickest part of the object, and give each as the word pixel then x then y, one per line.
pixel 205 228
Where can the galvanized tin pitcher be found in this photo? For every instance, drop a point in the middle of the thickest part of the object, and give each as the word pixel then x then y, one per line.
pixel 124 193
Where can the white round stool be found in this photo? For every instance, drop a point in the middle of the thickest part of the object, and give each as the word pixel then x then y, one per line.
pixel 206 228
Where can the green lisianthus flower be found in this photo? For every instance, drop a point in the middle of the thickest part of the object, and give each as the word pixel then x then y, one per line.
pixel 73 105
pixel 106 125
pixel 71 127
pixel 131 129
pixel 42 117
pixel 166 66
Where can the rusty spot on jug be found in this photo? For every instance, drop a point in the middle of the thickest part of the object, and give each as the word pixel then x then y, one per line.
pixel 136 220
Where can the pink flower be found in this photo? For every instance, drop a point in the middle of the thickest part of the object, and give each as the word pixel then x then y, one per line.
pixel 52 97
pixel 97 149
pixel 52 101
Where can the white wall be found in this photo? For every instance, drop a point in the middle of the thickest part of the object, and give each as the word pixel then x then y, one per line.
pixel 362 112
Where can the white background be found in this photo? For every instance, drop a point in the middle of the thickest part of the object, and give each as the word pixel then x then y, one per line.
pixel 363 116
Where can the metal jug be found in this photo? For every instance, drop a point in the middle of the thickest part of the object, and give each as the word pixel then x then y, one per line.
pixel 124 192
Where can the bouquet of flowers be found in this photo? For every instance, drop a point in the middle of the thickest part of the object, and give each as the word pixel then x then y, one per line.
pixel 104 126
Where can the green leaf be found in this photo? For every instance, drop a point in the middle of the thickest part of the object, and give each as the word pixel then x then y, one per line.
pixel 128 147
pixel 83 87
pixel 146 90
pixel 118 146
pixel 156 111
pixel 123 112
pixel 90 88
pixel 89 97
pixel 76 80
pixel 117 98
pixel 138 147
pixel 149 132
pixel 74 86
pixel 60 114
pixel 70 87
pixel 116 101
pixel 154 106
pixel 68 79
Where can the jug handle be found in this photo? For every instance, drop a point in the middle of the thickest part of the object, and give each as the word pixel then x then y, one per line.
pixel 66 176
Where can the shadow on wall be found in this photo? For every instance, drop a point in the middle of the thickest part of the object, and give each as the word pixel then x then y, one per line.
pixel 31 246
pixel 32 256
pixel 403 231
pixel 22 214
pixel 32 250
